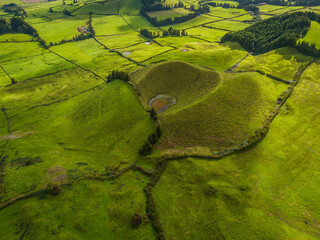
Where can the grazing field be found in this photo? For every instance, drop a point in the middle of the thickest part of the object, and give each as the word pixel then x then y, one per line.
pixel 50 88
pixel 172 13
pixel 91 55
pixel 282 63
pixel 118 134
pixel 141 52
pixel 313 34
pixel 116 25
pixel 4 78
pixel 14 50
pixel 108 7
pixel 61 29
pixel 205 33
pixel 228 25
pixel 213 55
pixel 122 40
pixel 38 65
pixel 285 10
pixel 72 131
pixel 195 22
pixel 269 8
pixel 226 12
pixel 18 37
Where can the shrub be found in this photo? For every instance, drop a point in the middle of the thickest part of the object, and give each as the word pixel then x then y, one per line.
pixel 136 220
pixel 153 115
pixel 146 149
pixel 53 188
pixel 158 131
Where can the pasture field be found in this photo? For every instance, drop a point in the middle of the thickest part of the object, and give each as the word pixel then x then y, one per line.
pixel 246 17
pixel 115 24
pixel 4 78
pixel 61 29
pixel 264 16
pixel 172 13
pixel 195 22
pixel 122 40
pixel 178 43
pixel 91 55
pixel 282 63
pixel 15 50
pixel 209 34
pixel 285 9
pixel 38 65
pixel 16 37
pixel 313 34
pixel 100 209
pixel 228 25
pixel 226 12
pixel 109 7
pixel 142 52
pixel 50 88
pixel 212 55
pixel 130 7
pixel 72 131
pixel 137 22
pixel 66 119
pixel 269 8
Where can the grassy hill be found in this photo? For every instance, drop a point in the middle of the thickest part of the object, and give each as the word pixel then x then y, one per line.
pixel 213 109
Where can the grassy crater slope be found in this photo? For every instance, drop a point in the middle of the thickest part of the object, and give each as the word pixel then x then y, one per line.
pixel 270 191
pixel 213 109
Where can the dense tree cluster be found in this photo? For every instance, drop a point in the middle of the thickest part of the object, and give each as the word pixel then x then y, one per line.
pixel 158 23
pixel 153 138
pixel 250 8
pixel 118 75
pixel 16 25
pixel 160 7
pixel 165 33
pixel 14 9
pixel 223 5
pixel 280 31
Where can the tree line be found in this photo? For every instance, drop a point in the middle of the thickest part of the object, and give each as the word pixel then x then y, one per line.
pixel 276 32
pixel 14 9
pixel 171 32
pixel 160 7
pixel 169 21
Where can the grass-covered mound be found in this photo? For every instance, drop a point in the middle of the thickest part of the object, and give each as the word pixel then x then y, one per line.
pixel 175 78
pixel 213 109
pixel 270 191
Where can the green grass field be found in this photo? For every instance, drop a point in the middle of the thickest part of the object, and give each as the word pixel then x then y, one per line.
pixel 270 191
pixel 313 34
pixel 282 63
pixel 64 121
pixel 61 29
pixel 213 55
pixel 229 25
pixel 108 7
pixel 73 131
